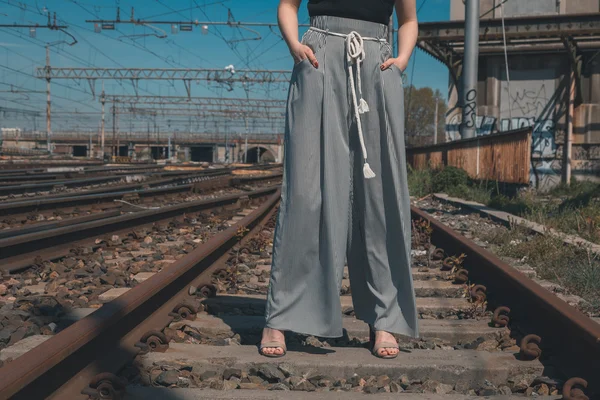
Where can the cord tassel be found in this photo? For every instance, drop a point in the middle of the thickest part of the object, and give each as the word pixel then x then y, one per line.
pixel 363 107
pixel 367 171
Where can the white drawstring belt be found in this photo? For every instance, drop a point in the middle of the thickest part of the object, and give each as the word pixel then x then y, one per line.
pixel 355 53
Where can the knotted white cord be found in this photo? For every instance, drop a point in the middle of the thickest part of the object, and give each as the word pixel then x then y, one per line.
pixel 355 53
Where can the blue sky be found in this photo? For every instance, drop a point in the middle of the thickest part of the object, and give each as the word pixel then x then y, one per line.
pixel 20 54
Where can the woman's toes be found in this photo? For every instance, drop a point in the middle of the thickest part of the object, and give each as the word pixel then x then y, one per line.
pixel 388 351
pixel 273 350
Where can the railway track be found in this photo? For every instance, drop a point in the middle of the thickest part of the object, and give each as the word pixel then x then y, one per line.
pixel 190 331
pixel 24 216
pixel 42 166
pixel 21 248
pixel 58 173
pixel 120 187
pixel 13 189
pixel 109 182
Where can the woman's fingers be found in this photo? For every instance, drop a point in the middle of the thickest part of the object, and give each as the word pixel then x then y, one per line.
pixel 305 52
pixel 311 56
pixel 387 63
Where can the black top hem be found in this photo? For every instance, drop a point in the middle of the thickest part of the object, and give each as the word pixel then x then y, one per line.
pixel 378 11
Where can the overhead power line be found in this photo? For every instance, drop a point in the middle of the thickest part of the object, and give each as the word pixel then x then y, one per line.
pixel 231 113
pixel 206 74
pixel 183 25
pixel 227 76
pixel 52 25
pixel 195 101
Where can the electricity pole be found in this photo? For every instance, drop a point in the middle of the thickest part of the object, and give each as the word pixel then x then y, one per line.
pixel 435 119
pixel 48 102
pixel 149 149
pixel 469 95
pixel 103 101
pixel 114 141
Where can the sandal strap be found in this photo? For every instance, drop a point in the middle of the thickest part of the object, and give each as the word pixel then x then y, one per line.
pixel 273 344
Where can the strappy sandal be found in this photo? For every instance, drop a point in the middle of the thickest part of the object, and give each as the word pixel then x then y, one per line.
pixel 272 344
pixel 382 345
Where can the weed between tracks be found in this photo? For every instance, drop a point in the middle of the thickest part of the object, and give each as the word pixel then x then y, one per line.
pixel 572 209
pixel 576 269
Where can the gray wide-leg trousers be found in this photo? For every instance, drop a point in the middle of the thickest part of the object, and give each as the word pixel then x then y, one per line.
pixel 329 212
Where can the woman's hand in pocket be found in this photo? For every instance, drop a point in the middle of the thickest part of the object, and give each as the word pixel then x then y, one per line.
pixel 398 62
pixel 301 51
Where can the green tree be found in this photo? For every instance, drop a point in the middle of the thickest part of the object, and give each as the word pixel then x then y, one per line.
pixel 419 108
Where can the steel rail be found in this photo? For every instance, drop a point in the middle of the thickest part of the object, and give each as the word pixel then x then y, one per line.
pixel 19 252
pixel 124 188
pixel 24 166
pixel 100 196
pixel 204 181
pixel 194 176
pixel 76 169
pixel 108 198
pixel 49 176
pixel 72 183
pixel 44 226
pixel 106 340
pixel 572 338
pixel 109 335
pixel 76 180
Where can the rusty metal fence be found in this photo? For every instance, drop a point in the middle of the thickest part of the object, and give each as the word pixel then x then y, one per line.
pixel 505 157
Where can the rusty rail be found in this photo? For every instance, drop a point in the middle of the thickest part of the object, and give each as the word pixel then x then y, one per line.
pixel 15 188
pixel 204 182
pixel 106 340
pixel 25 176
pixel 44 226
pixel 15 165
pixel 572 337
pixel 18 253
pixel 179 177
pixel 211 184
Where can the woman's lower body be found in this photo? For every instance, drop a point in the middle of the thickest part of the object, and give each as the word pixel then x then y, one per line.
pixel 329 211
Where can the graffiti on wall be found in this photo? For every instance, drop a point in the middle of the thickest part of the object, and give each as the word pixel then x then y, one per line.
pixel 531 102
pixel 543 140
pixel 470 110
pixel 484 124
pixel 545 174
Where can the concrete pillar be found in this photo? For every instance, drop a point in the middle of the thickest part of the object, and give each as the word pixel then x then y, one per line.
pixel 470 69
pixel 569 134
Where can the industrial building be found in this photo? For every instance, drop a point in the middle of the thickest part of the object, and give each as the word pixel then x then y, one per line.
pixel 536 57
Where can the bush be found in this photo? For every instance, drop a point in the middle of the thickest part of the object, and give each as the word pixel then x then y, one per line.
pixel 419 182
pixel 448 178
